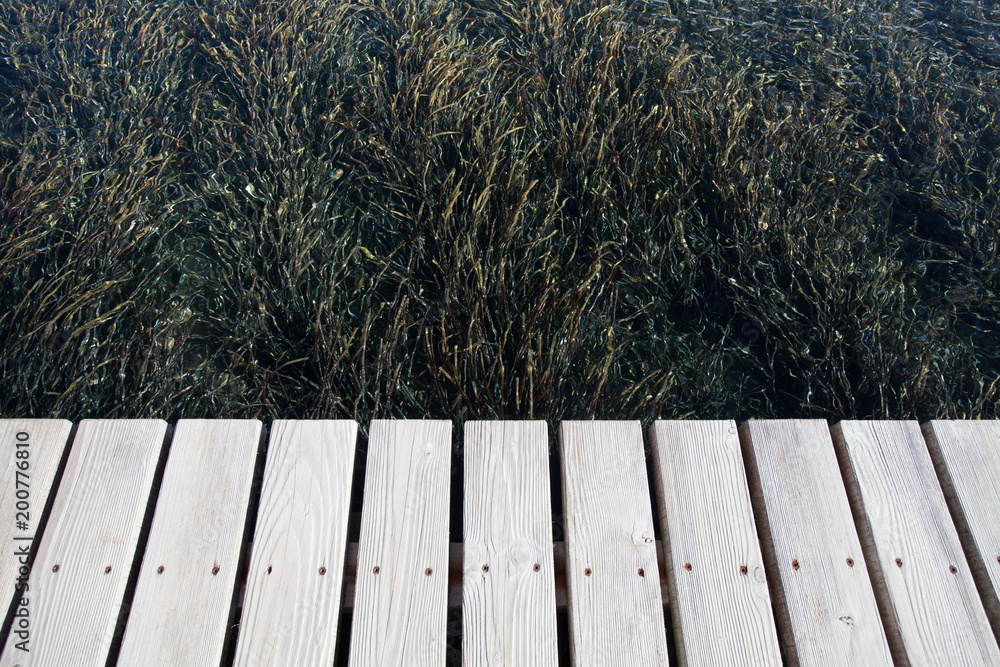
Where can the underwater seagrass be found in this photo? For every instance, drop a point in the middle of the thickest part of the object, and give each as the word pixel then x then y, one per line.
pixel 476 209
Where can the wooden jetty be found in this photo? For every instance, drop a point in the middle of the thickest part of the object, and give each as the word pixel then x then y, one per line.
pixel 775 542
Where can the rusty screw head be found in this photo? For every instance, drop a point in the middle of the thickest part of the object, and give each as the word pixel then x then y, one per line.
pixel 375 570
pixel 322 571
pixel 687 566
pixel 899 562
pixel 850 562
pixel 743 569
pixel 428 572
pixel 107 570
pixel 215 569
pixel 795 563
pixel 587 571
pixel 486 567
pixel 953 569
pixel 159 570
pixel 55 568
pixel 642 572
pixel 537 567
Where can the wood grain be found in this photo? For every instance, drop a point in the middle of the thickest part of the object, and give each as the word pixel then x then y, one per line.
pixel 25 478
pixel 719 602
pixel 928 588
pixel 615 612
pixel 824 606
pixel 400 608
pixel 508 584
pixel 95 525
pixel 291 609
pixel 966 456
pixel 179 613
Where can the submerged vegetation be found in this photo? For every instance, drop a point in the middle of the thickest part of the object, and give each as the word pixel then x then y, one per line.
pixel 487 208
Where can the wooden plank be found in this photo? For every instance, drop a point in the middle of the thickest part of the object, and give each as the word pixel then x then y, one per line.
pixel 291 609
pixel 615 607
pixel 84 559
pixel 30 451
pixel 719 602
pixel 966 456
pixel 402 586
pixel 823 600
pixel 185 588
pixel 922 579
pixel 508 583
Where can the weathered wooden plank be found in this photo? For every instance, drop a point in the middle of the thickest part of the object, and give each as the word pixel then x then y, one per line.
pixel 923 580
pixel 966 456
pixel 615 607
pixel 290 612
pixel 401 594
pixel 30 451
pixel 719 602
pixel 508 584
pixel 185 588
pixel 824 605
pixel 86 554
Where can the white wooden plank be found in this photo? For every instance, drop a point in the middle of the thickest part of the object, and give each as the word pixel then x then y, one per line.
pixel 30 450
pixel 79 576
pixel 615 607
pixel 925 581
pixel 401 593
pixel 185 588
pixel 824 607
pixel 290 612
pixel 508 583
pixel 719 602
pixel 966 456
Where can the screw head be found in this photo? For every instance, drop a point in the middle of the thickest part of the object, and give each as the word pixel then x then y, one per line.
pixel 428 572
pixel 55 568
pixel 642 572
pixel 215 569
pixel 953 569
pixel 899 562
pixel 795 563
pixel 107 570
pixel 537 567
pixel 375 570
pixel 587 571
pixel 322 571
pixel 743 569
pixel 687 566
pixel 159 570
pixel 486 567
pixel 850 562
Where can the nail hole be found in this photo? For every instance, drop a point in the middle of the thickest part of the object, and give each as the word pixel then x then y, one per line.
pixel 899 562
pixel 537 567
pixel 587 571
pixel 375 570
pixel 953 569
pixel 642 572
pixel 55 568
pixel 795 563
pixel 107 570
pixel 687 566
pixel 850 562
pixel 159 570
pixel 743 569
pixel 322 571
pixel 486 568
pixel 269 569
pixel 215 569
pixel 428 572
